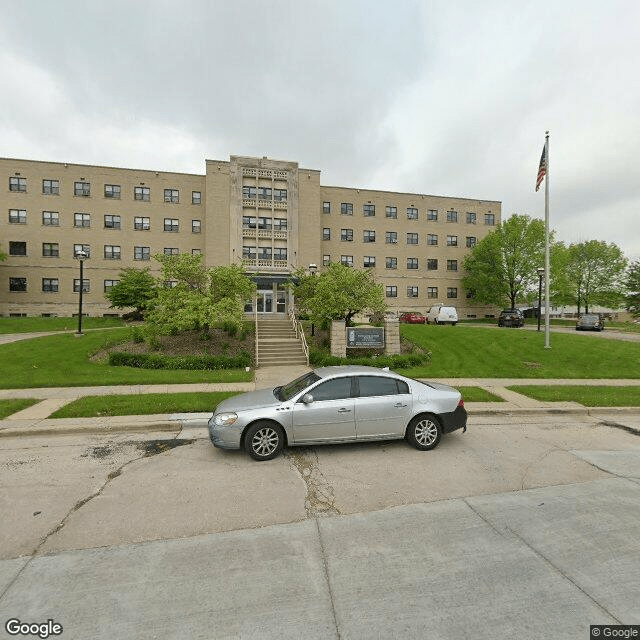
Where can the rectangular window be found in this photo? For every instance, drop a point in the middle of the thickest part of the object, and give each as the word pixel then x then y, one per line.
pixel 452 241
pixel 412 213
pixel 112 222
pixel 432 215
pixel 50 285
pixel 346 208
pixel 369 262
pixel 171 224
pixel 17 284
pixel 346 235
pixel 391 237
pixel 249 253
pixel 109 284
pixel 50 249
pixel 471 241
pixel 391 291
pixel 264 223
pixel 326 207
pixel 452 265
pixel 412 238
pixel 50 218
pixel 86 285
pixel 391 263
pixel 432 239
pixel 432 264
pixel 348 260
pixel 51 187
pixel 112 191
pixel 81 219
pixel 326 259
pixel 196 197
pixel 18 216
pixel 391 212
pixel 471 218
pixel 280 253
pixel 81 188
pixel 196 226
pixel 249 193
pixel 249 222
pixel 326 233
pixel 452 216
pixel 141 253
pixel 369 236
pixel 141 224
pixel 369 210
pixel 264 253
pixel 17 248
pixel 172 195
pixel 17 184
pixel 280 224
pixel 171 251
pixel 412 292
pixel 142 193
pixel 489 219
pixel 111 252
pixel 412 263
pixel 280 194
pixel 84 248
pixel 452 292
pixel 196 252
pixel 432 292
pixel 264 193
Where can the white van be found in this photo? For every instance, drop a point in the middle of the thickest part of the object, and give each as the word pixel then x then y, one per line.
pixel 442 314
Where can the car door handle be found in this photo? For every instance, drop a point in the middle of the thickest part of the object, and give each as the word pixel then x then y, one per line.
pixel 343 410
pixel 399 405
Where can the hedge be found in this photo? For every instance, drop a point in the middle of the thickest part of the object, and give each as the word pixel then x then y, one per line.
pixel 157 361
pixel 398 361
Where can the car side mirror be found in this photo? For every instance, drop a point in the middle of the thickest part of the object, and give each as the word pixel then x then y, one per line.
pixel 307 398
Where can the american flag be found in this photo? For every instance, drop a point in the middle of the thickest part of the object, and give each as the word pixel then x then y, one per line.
pixel 542 169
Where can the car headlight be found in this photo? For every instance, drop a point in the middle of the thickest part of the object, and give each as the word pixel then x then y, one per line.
pixel 225 419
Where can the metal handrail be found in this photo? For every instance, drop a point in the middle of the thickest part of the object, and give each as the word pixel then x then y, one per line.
pixel 255 319
pixel 297 327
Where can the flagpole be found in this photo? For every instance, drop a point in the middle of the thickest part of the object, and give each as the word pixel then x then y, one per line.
pixel 546 248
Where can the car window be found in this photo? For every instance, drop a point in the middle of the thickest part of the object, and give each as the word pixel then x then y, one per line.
pixel 297 385
pixel 335 389
pixel 380 386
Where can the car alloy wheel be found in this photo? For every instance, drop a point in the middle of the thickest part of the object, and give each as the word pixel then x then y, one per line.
pixel 424 432
pixel 264 440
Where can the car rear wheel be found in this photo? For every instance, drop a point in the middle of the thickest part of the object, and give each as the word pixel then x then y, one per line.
pixel 264 440
pixel 424 432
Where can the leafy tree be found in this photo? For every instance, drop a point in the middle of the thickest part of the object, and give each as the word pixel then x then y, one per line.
pixel 3 255
pixel 632 284
pixel 503 265
pixel 137 288
pixel 338 292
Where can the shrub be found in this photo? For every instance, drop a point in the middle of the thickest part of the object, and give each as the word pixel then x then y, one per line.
pixel 157 361
pixel 137 334
pixel 397 361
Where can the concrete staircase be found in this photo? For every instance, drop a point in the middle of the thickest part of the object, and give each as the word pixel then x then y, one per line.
pixel 278 345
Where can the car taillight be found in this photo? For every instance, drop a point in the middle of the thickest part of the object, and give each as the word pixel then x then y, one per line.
pixel 461 402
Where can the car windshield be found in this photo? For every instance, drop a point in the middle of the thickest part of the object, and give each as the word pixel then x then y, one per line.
pixel 289 390
pixel 589 318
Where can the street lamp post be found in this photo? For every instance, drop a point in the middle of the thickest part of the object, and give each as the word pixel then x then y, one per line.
pixel 540 276
pixel 81 256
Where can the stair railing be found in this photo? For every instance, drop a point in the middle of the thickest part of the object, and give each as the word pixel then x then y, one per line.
pixel 297 327
pixel 255 319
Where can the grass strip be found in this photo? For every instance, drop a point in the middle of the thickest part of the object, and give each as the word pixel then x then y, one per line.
pixel 36 324
pixel 142 404
pixel 478 394
pixel 586 395
pixel 13 405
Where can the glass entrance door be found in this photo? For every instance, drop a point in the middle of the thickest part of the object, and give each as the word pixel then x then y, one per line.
pixel 265 301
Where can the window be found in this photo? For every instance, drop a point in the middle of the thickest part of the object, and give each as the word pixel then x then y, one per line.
pixel 81 188
pixel 142 193
pixel 369 210
pixel 412 263
pixel 264 223
pixel 391 237
pixel 452 265
pixel 171 251
pixel 249 192
pixel 370 386
pixel 346 208
pixel 369 236
pixel 432 239
pixel 391 212
pixel 391 291
pixel 249 222
pixel 432 215
pixel 391 263
pixel 280 194
pixel 471 218
pixel 489 219
pixel 326 233
pixel 432 292
pixel 141 224
pixel 86 285
pixel 412 292
pixel 171 224
pixel 18 216
pixel 412 213
pixel 17 184
pixel 196 197
pixel 172 195
pixel 50 218
pixel 369 262
pixel 17 284
pixel 249 253
pixel 348 260
pixel 471 241
pixel 326 207
pixel 264 253
pixel 50 285
pixel 452 292
pixel 196 252
pixel 112 222
pixel 452 216
pixel 112 191
pixel 452 241
pixel 346 235
pixel 196 226
pixel 326 259
pixel 280 253
pixel 109 284
pixel 432 264
pixel 335 389
pixel 81 219
pixel 280 224
pixel 412 238
pixel 51 187
pixel 264 193
pixel 85 248
pixel 17 248
pixel 50 249
pixel 141 253
pixel 111 252
pixel 470 295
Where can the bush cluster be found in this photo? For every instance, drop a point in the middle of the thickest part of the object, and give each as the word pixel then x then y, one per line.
pixel 157 361
pixel 397 361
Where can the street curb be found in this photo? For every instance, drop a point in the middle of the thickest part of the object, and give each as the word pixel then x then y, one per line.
pixel 92 429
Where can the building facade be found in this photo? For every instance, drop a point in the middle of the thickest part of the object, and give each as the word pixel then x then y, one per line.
pixel 272 215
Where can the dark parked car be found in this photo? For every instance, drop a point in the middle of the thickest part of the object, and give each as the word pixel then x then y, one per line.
pixel 412 318
pixel 511 318
pixel 590 322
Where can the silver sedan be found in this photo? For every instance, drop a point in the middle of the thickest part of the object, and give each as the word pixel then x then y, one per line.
pixel 338 404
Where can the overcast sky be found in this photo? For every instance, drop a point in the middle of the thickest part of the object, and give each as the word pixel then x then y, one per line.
pixel 445 97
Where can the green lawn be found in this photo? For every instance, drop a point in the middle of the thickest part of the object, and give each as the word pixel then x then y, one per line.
pixel 64 360
pixel 588 396
pixel 36 324
pixel 8 407
pixel 464 351
pixel 478 394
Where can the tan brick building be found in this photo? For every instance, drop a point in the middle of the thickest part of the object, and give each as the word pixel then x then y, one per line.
pixel 272 214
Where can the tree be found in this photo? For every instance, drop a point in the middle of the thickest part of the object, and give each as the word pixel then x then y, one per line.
pixel 503 265
pixel 136 288
pixel 3 255
pixel 338 292
pixel 632 284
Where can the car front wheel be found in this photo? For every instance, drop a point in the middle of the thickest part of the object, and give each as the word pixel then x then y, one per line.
pixel 424 432
pixel 264 440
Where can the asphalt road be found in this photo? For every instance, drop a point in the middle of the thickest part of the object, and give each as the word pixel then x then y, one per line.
pixel 524 530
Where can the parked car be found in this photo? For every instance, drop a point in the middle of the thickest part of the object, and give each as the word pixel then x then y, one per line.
pixel 442 314
pixel 412 318
pixel 511 318
pixel 338 404
pixel 590 322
